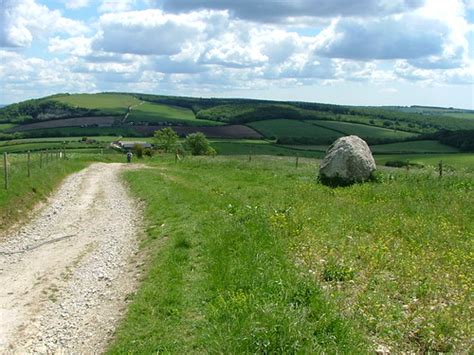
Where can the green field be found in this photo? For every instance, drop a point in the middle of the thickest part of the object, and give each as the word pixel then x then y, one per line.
pixel 17 148
pixel 85 131
pixel 114 104
pixel 250 148
pixel 463 161
pixel 156 114
pixel 257 257
pixel 295 129
pixel 413 147
pixel 363 131
pixel 5 126
pixel 465 115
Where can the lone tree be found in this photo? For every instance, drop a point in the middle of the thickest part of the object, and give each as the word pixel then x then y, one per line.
pixel 165 139
pixel 198 144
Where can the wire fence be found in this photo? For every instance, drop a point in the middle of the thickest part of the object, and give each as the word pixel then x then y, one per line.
pixel 30 164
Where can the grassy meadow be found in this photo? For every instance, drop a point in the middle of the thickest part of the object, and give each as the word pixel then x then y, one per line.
pixel 114 104
pixel 294 129
pixel 259 257
pixel 156 113
pixel 363 131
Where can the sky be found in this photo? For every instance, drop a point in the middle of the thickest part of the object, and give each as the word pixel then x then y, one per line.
pixel 364 52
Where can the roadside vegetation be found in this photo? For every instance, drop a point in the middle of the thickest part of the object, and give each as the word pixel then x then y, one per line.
pixel 25 192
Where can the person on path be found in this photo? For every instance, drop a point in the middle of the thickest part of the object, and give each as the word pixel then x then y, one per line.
pixel 129 157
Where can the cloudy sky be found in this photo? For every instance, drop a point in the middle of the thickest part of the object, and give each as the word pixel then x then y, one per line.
pixel 360 52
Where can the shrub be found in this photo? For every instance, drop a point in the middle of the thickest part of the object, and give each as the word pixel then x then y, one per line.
pixel 198 144
pixel 148 152
pixel 165 139
pixel 138 150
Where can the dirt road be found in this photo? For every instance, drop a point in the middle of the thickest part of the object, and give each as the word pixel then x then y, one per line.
pixel 66 274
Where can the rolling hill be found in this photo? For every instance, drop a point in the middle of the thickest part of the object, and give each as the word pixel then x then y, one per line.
pixel 283 123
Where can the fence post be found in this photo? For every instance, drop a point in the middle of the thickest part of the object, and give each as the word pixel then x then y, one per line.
pixel 297 157
pixel 440 166
pixel 29 164
pixel 250 156
pixel 5 168
pixel 41 159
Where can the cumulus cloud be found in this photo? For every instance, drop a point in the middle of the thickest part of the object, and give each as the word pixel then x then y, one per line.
pixel 78 46
pixel 388 38
pixel 277 10
pixel 26 77
pixel 144 32
pixel 24 20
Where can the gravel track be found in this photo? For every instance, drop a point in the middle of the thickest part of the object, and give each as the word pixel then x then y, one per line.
pixel 66 274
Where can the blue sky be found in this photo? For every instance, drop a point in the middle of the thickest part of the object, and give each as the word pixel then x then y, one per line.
pixel 366 52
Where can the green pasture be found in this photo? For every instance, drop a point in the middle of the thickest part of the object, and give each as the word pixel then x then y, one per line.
pixel 461 161
pixel 258 148
pixel 466 115
pixel 5 126
pixel 114 104
pixel 294 129
pixel 362 130
pixel 425 146
pixel 157 113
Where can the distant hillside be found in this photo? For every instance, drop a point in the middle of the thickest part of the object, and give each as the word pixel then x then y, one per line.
pixel 288 122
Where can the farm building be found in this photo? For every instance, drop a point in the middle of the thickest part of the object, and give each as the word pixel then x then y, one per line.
pixel 129 145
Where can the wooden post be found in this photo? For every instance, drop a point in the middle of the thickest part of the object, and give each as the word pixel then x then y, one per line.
pixel 408 165
pixel 29 164
pixel 176 156
pixel 297 157
pixel 440 169
pixel 250 156
pixel 5 168
pixel 41 160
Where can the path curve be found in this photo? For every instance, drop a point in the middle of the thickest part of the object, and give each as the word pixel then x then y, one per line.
pixel 66 274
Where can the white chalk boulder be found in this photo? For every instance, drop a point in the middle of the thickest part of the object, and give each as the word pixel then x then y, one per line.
pixel 347 161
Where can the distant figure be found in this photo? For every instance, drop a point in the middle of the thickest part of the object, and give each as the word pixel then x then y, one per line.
pixel 129 157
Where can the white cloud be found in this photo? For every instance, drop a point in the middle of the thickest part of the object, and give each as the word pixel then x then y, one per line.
pixel 116 5
pixel 25 20
pixel 277 10
pixel 76 4
pixel 24 77
pixel 77 46
pixel 404 36
pixel 145 32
